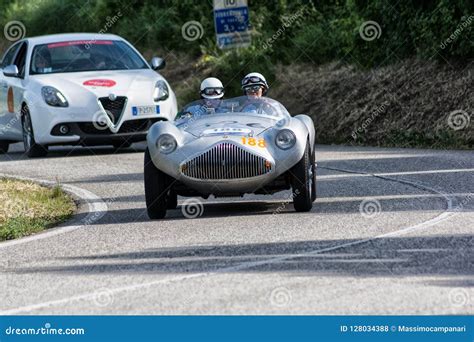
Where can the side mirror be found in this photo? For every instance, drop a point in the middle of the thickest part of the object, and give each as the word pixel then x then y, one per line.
pixel 11 71
pixel 157 63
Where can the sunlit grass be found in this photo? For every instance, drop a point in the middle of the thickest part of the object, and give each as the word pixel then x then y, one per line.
pixel 27 208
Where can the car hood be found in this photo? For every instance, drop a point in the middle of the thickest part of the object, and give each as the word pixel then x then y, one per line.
pixel 101 83
pixel 227 124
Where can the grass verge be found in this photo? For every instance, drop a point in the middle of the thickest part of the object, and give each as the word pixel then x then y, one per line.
pixel 27 208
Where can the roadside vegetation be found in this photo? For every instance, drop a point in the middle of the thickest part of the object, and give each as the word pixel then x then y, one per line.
pixel 27 208
pixel 312 35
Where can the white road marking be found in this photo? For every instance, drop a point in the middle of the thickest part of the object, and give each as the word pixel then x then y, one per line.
pixel 246 265
pixel 97 209
pixel 404 173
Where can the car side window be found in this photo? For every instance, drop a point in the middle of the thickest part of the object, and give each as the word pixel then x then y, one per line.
pixel 8 57
pixel 21 59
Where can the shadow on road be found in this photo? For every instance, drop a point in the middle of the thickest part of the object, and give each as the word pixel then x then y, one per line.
pixel 388 257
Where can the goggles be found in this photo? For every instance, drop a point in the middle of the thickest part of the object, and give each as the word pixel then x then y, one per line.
pixel 212 91
pixel 253 89
pixel 252 79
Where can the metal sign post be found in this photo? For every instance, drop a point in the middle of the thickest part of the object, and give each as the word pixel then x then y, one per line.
pixel 231 19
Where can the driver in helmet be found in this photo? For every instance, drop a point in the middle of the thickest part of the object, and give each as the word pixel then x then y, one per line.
pixel 255 86
pixel 212 92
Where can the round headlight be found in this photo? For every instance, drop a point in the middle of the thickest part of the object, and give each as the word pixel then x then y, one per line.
pixel 166 143
pixel 285 139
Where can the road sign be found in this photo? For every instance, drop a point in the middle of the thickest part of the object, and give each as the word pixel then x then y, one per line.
pixel 231 19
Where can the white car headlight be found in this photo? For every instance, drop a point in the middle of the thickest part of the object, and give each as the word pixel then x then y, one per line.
pixel 285 139
pixel 166 143
pixel 161 91
pixel 53 97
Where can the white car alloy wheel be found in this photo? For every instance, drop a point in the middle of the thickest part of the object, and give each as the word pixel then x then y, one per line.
pixel 32 149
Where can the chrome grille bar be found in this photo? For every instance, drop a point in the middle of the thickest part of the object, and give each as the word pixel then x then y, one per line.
pixel 226 161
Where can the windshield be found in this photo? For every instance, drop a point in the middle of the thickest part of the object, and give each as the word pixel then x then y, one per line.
pixel 243 105
pixel 84 55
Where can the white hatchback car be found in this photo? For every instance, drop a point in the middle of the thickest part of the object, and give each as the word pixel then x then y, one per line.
pixel 79 89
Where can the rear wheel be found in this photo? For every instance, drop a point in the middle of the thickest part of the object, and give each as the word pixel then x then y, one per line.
pixel 4 147
pixel 157 187
pixel 32 149
pixel 302 182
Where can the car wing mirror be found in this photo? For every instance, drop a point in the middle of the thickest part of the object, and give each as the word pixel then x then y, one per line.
pixel 11 71
pixel 157 63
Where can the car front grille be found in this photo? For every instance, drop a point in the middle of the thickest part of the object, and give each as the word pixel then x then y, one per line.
pixel 226 161
pixel 114 108
pixel 130 126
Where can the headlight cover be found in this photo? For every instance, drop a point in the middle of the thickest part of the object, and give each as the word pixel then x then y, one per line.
pixel 166 143
pixel 161 91
pixel 53 97
pixel 285 139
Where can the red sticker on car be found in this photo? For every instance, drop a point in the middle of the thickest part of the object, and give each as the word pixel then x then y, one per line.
pixel 80 42
pixel 99 83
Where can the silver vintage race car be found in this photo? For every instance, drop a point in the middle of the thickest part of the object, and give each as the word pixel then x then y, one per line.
pixel 229 148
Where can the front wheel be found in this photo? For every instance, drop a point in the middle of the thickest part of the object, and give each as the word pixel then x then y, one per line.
pixel 302 182
pixel 32 149
pixel 4 147
pixel 157 187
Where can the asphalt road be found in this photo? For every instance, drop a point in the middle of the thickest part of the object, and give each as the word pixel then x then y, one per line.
pixel 390 233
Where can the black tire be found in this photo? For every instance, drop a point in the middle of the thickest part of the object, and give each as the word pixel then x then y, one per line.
pixel 313 163
pixel 32 149
pixel 4 147
pixel 301 183
pixel 172 200
pixel 157 186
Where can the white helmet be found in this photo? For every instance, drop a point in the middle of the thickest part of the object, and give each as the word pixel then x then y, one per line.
pixel 255 78
pixel 211 88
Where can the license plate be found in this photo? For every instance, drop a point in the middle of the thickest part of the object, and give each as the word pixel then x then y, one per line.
pixel 145 110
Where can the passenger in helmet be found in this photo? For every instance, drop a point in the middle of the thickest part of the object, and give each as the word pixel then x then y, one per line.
pixel 211 92
pixel 255 86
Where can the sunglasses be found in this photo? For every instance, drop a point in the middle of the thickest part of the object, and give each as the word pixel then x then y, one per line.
pixel 212 91
pixel 253 89
pixel 252 79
